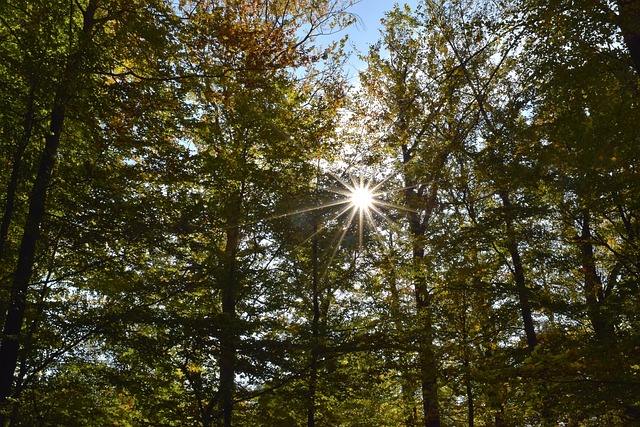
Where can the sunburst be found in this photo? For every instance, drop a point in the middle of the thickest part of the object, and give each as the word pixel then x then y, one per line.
pixel 362 199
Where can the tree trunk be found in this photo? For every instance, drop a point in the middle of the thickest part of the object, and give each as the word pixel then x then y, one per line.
pixel 469 391
pixel 629 23
pixel 428 372
pixel 592 287
pixel 467 369
pixel 315 332
pixel 14 179
pixel 499 420
pixel 518 274
pixel 10 344
pixel 407 384
pixel 417 226
pixel 427 359
pixel 229 336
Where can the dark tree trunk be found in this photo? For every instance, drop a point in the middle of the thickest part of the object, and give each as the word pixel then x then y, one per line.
pixel 518 274
pixel 229 336
pixel 427 359
pixel 315 333
pixel 499 420
pixel 408 388
pixel 592 287
pixel 14 179
pixel 629 22
pixel 10 344
pixel 467 370
pixel 469 391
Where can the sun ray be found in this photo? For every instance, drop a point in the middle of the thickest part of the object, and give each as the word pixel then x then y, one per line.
pixel 381 214
pixel 380 184
pixel 365 200
pixel 393 206
pixel 300 211
pixel 359 198
pixel 324 226
pixel 341 237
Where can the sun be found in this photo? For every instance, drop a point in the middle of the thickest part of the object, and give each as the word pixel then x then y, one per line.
pixel 359 202
pixel 361 198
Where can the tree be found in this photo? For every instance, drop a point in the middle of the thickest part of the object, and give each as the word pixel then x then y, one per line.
pixel 429 119
pixel 251 127
pixel 172 252
pixel 628 17
pixel 69 63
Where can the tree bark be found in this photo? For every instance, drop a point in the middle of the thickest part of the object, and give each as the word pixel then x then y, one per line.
pixel 10 343
pixel 469 391
pixel 229 336
pixel 427 358
pixel 407 384
pixel 14 179
pixel 466 363
pixel 629 23
pixel 592 287
pixel 519 275
pixel 315 332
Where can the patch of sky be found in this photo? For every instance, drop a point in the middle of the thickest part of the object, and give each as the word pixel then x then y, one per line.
pixel 364 32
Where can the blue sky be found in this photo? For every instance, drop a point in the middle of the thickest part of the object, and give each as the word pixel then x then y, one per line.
pixel 366 32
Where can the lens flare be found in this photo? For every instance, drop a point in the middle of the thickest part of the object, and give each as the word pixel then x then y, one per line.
pixel 358 204
pixel 361 198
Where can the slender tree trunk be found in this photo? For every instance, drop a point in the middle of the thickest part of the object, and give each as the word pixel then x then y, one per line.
pixel 629 23
pixel 10 343
pixel 469 391
pixel 14 179
pixel 467 368
pixel 315 333
pixel 497 392
pixel 428 366
pixel 408 389
pixel 499 420
pixel 593 291
pixel 518 273
pixel 228 338
pixel 427 358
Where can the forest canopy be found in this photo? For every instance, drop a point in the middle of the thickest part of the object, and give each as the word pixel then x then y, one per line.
pixel 205 222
